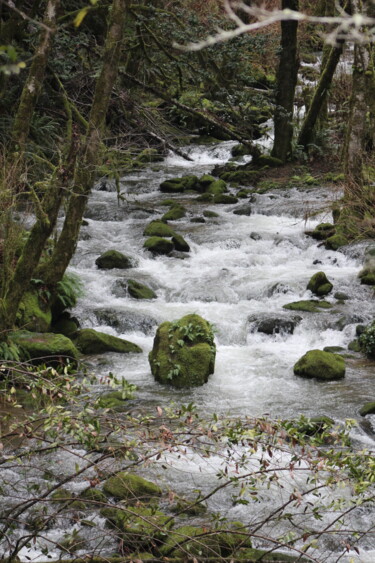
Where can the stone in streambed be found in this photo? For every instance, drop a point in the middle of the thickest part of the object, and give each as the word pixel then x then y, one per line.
pixel 113 259
pixel 140 291
pixel 309 306
pixel 44 347
pixel 158 229
pixel 128 486
pixel 180 243
pixel 90 341
pixel 320 365
pixel 159 245
pixel 319 284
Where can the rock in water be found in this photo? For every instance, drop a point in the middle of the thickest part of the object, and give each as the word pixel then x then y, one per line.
pixel 319 284
pixel 184 352
pixel 320 365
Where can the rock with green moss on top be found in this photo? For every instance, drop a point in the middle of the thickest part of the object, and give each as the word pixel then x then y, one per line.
pixel 336 241
pixel 217 188
pixel 140 291
pixel 93 497
pixel 320 365
pixel 33 313
pixel 368 408
pixel 127 486
pixel 206 180
pixel 319 284
pixel 179 185
pixel 90 341
pixel 117 399
pixel 113 259
pixel 322 231
pixel 158 229
pixel 176 212
pixel 44 347
pixel 210 214
pixel 159 245
pixel 180 243
pixel 267 160
pixel 367 274
pixel 183 353
pixel 225 199
pixel 309 306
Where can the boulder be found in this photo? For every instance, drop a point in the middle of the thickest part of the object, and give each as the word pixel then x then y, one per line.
pixel 179 185
pixel 158 229
pixel 180 243
pixel 322 231
pixel 225 198
pixel 126 320
pixel 158 245
pixel 127 486
pixel 336 241
pixel 183 353
pixel 113 259
pixel 276 325
pixel 309 306
pixel 206 180
pixel 44 347
pixel 34 314
pixel 140 291
pixel 243 210
pixel 368 408
pixel 90 341
pixel 210 214
pixel 217 187
pixel 176 212
pixel 319 284
pixel 321 365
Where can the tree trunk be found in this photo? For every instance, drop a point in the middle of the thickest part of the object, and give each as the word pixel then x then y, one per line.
pixel 306 134
pixel 53 271
pixel 286 84
pixel 33 85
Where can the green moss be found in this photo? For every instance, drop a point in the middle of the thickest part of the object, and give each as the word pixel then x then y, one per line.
pixel 322 231
pixel 310 306
pixel 190 508
pixel 319 284
pixel 205 546
pixel 368 408
pixel 42 347
pixel 264 556
pixel 93 496
pixel 336 241
pixel 33 314
pixel 180 243
pixel 320 365
pixel 205 197
pixel 266 160
pixel 206 180
pixel 175 213
pixel 243 194
pixel 113 259
pixel 158 245
pixel 179 185
pixel 226 199
pixel 140 291
pixel 217 187
pixel 210 214
pixel 130 487
pixel 354 345
pixel 114 400
pixel 158 229
pixel 266 185
pixel 368 279
pixel 183 354
pixel 90 341
pixel 66 326
pixel 247 177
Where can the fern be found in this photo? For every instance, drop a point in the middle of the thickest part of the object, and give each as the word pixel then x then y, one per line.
pixel 69 289
pixel 10 352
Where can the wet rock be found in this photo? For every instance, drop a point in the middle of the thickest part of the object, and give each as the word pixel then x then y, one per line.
pixel 210 214
pixel 179 185
pixel 113 259
pixel 158 229
pixel 346 320
pixel 217 187
pixel 278 288
pixel 158 245
pixel 126 321
pixel 368 408
pixel 175 213
pixel 225 199
pixel 309 306
pixel 130 487
pixel 341 296
pixel 183 354
pixel 140 291
pixel 90 341
pixel 336 241
pixel 255 236
pixel 197 220
pixel 320 365
pixel 322 231
pixel 319 284
pixel 275 325
pixel 44 347
pixel 243 210
pixel 180 243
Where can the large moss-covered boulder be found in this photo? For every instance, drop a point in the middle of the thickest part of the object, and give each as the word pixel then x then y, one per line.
pixel 113 259
pixel 159 245
pixel 336 241
pixel 320 365
pixel 180 243
pixel 158 229
pixel 184 352
pixel 217 187
pixel 127 486
pixel 319 284
pixel 140 291
pixel 90 341
pixel 44 347
pixel 33 313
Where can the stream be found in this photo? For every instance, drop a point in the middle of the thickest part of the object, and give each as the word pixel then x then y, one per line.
pixel 241 269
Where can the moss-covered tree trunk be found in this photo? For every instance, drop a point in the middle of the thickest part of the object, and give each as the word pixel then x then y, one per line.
pixel 53 271
pixel 34 82
pixel 286 84
pixel 318 101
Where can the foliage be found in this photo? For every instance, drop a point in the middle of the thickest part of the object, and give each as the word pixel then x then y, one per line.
pixel 367 340
pixel 69 289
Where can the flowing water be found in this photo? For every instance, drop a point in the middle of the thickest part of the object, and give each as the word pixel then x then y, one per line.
pixel 241 269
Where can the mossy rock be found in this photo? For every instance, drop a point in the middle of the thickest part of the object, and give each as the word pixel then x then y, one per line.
pixel 206 180
pixel 217 187
pixel 127 486
pixel 355 345
pixel 90 341
pixel 239 150
pixel 267 160
pixel 368 279
pixel 322 231
pixel 368 408
pixel 320 365
pixel 336 241
pixel 190 508
pixel 314 426
pixel 179 185
pixel 205 198
pixel 197 220
pixel 93 497
pixel 158 229
pixel 309 306
pixel 113 259
pixel 183 353
pixel 67 499
pixel 319 284
pixel 210 214
pixel 44 347
pixel 113 400
pixel 246 177
pixel 175 213
pixel 143 527
pixel 181 542
pixel 334 349
pixel 33 314
pixel 243 194
pixel 66 325
pixel 140 291
pixel 159 245
pixel 180 243
pixel 252 555
pixel 225 199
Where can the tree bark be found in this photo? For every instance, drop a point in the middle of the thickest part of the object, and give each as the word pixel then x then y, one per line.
pixel 53 271
pixel 34 82
pixel 286 84
pixel 306 134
